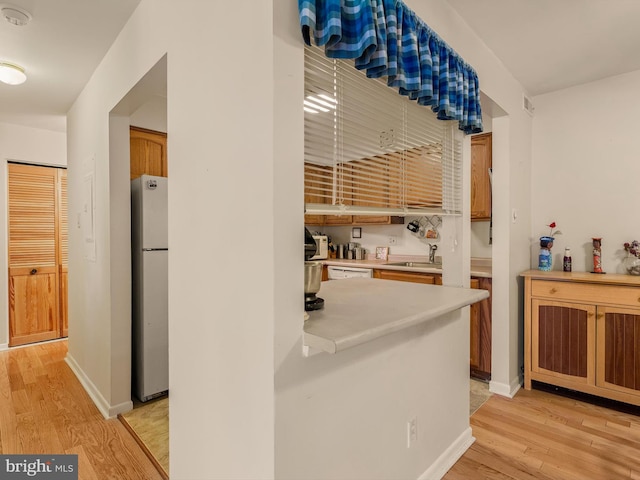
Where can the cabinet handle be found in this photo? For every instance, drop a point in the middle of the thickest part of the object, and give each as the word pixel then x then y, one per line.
pixel 34 271
pixel 554 290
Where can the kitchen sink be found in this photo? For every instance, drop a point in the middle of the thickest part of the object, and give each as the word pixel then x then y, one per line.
pixel 416 264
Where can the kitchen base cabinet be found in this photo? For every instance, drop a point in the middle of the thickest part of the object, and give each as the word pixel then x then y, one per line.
pixel 403 276
pixel 480 332
pixel 582 331
pixel 479 317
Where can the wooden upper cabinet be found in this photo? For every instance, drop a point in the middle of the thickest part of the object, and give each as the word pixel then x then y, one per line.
pixel 480 179
pixel 148 152
pixel 314 190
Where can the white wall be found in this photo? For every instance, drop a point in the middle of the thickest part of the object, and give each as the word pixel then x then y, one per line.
pixel 480 246
pixel 29 145
pixel 151 115
pixel 221 346
pixel 511 187
pixel 586 169
pixel 221 291
pixel 99 323
pixel 374 236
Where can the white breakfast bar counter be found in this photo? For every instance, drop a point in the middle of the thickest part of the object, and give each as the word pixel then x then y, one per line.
pixel 359 310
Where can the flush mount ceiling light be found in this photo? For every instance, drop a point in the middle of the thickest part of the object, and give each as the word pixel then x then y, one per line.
pixel 11 74
pixel 15 15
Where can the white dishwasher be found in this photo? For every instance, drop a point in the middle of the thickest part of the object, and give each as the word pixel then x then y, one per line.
pixel 340 273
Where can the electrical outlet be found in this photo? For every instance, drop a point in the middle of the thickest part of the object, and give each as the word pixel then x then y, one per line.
pixel 393 240
pixel 412 432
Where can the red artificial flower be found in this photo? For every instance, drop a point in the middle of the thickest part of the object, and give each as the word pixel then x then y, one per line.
pixel 552 225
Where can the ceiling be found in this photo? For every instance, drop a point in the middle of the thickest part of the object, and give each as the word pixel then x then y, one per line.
pixel 59 49
pixel 549 45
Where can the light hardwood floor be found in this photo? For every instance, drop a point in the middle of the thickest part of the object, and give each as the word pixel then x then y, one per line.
pixel 44 409
pixel 149 424
pixel 540 435
pixel 536 435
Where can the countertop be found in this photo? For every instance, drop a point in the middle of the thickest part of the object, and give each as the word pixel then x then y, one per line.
pixel 359 310
pixel 583 277
pixel 480 267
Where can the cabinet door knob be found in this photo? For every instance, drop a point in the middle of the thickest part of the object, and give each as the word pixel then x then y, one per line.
pixel 553 290
pixel 34 271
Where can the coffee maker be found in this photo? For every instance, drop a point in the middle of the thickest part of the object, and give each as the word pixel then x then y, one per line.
pixel 312 274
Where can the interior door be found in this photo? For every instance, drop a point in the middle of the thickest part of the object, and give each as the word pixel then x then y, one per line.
pixel 63 244
pixel 33 255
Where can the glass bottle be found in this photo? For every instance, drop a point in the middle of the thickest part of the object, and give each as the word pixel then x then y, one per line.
pixel 566 261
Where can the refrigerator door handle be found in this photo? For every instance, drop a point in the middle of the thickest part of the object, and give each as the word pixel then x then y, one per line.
pixel 154 249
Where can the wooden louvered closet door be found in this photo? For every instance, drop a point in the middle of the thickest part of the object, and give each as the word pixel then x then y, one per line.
pixel 63 243
pixel 34 253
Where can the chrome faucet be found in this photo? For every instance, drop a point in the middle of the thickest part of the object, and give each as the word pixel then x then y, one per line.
pixel 432 252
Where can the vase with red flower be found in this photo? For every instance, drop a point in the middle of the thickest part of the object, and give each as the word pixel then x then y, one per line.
pixel 545 259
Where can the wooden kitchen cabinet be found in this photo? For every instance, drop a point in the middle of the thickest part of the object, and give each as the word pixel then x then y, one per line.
pixel 480 178
pixel 402 276
pixel 582 331
pixel 480 332
pixel 318 181
pixel 148 152
pixel 479 317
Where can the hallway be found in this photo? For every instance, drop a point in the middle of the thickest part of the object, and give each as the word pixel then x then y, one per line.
pixel 44 409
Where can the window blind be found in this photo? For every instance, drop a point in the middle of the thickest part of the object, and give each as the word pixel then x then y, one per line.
pixel 369 150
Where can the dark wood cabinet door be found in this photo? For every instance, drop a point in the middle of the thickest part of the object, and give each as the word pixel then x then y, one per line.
pixel 563 339
pixel 480 332
pixel 618 349
pixel 403 276
pixel 480 179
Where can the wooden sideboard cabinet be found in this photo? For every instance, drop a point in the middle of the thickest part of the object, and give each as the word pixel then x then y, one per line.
pixel 582 331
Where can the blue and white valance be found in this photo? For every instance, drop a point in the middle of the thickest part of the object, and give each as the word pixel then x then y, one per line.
pixel 386 38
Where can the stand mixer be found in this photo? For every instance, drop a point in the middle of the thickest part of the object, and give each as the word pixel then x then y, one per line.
pixel 312 274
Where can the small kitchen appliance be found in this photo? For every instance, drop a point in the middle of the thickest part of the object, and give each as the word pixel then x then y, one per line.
pixel 312 274
pixel 322 241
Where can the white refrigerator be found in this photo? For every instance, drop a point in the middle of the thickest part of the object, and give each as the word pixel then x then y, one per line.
pixel 150 335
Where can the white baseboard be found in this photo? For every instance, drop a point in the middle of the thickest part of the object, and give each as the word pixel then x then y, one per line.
pixel 106 410
pixel 505 390
pixel 4 346
pixel 449 457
